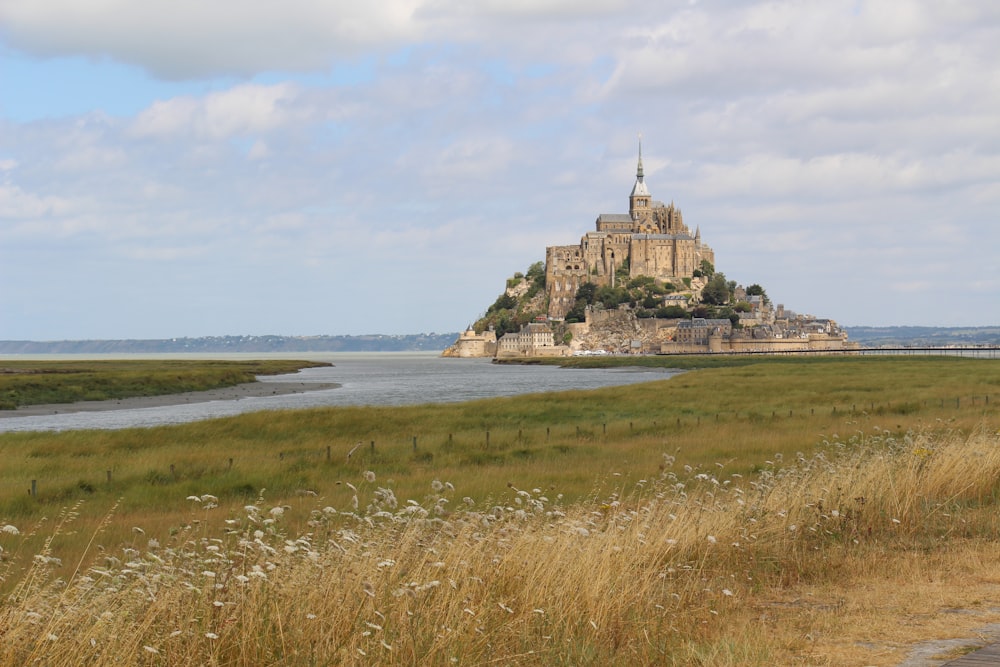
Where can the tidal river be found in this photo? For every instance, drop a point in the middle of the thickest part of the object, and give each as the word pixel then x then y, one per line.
pixel 387 378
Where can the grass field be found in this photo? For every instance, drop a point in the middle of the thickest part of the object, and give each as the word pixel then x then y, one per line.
pixel 686 521
pixel 40 382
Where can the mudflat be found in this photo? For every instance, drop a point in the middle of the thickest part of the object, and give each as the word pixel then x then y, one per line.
pixel 236 392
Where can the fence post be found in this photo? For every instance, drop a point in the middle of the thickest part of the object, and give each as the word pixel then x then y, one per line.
pixel 34 488
pixel 487 439
pixel 109 476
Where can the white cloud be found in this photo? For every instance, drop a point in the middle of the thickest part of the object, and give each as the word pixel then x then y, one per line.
pixel 244 109
pixel 829 151
pixel 189 38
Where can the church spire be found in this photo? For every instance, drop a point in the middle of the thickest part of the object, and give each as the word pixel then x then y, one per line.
pixel 639 200
pixel 638 171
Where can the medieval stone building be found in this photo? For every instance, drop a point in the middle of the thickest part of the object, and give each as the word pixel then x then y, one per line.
pixel 651 240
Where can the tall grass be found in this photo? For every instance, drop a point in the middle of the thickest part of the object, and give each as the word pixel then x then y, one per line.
pixel 673 569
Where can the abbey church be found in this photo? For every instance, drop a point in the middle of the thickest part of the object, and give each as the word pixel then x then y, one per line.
pixel 651 240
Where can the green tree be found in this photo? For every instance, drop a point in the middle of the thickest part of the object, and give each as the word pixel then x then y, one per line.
pixel 671 312
pixel 757 290
pixel 716 292
pixel 706 268
pixel 504 302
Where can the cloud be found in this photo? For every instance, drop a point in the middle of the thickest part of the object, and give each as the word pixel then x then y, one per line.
pixel 241 110
pixel 829 151
pixel 175 39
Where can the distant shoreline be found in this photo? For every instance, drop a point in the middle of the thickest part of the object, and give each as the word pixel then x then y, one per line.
pixel 257 389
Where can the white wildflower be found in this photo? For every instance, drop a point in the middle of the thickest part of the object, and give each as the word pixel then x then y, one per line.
pixel 369 476
pixel 211 635
pixel 151 649
pixel 277 511
pixel 10 530
pixel 711 539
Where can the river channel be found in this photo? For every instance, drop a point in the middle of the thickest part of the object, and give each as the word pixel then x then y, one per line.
pixel 364 379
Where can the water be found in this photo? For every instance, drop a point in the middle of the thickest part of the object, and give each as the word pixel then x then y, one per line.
pixel 365 379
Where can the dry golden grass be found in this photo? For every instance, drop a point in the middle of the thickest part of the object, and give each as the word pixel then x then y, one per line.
pixel 845 557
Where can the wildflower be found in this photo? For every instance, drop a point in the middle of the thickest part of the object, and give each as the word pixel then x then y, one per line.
pixel 369 476
pixel 151 649
pixel 437 486
pixel 10 530
pixel 711 539
pixel 728 593
pixel 277 511
pixel 211 635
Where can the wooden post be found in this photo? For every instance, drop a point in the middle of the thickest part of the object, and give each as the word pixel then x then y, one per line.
pixel 414 443
pixel 34 488
pixel 604 428
pixel 172 473
pixel 373 446
pixel 547 430
pixel 109 476
pixel 487 439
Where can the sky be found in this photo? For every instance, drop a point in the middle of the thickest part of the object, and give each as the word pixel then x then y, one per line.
pixel 176 168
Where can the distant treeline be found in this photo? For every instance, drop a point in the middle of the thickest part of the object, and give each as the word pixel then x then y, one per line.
pixel 923 336
pixel 366 343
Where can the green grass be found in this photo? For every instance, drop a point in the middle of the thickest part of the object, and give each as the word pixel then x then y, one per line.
pixel 571 442
pixel 39 382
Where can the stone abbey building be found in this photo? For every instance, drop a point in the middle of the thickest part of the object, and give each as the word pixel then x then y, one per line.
pixel 651 239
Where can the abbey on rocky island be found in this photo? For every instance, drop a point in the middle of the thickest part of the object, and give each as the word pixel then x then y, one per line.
pixel 651 240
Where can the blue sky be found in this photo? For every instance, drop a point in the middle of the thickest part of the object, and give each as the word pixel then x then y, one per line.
pixel 185 168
